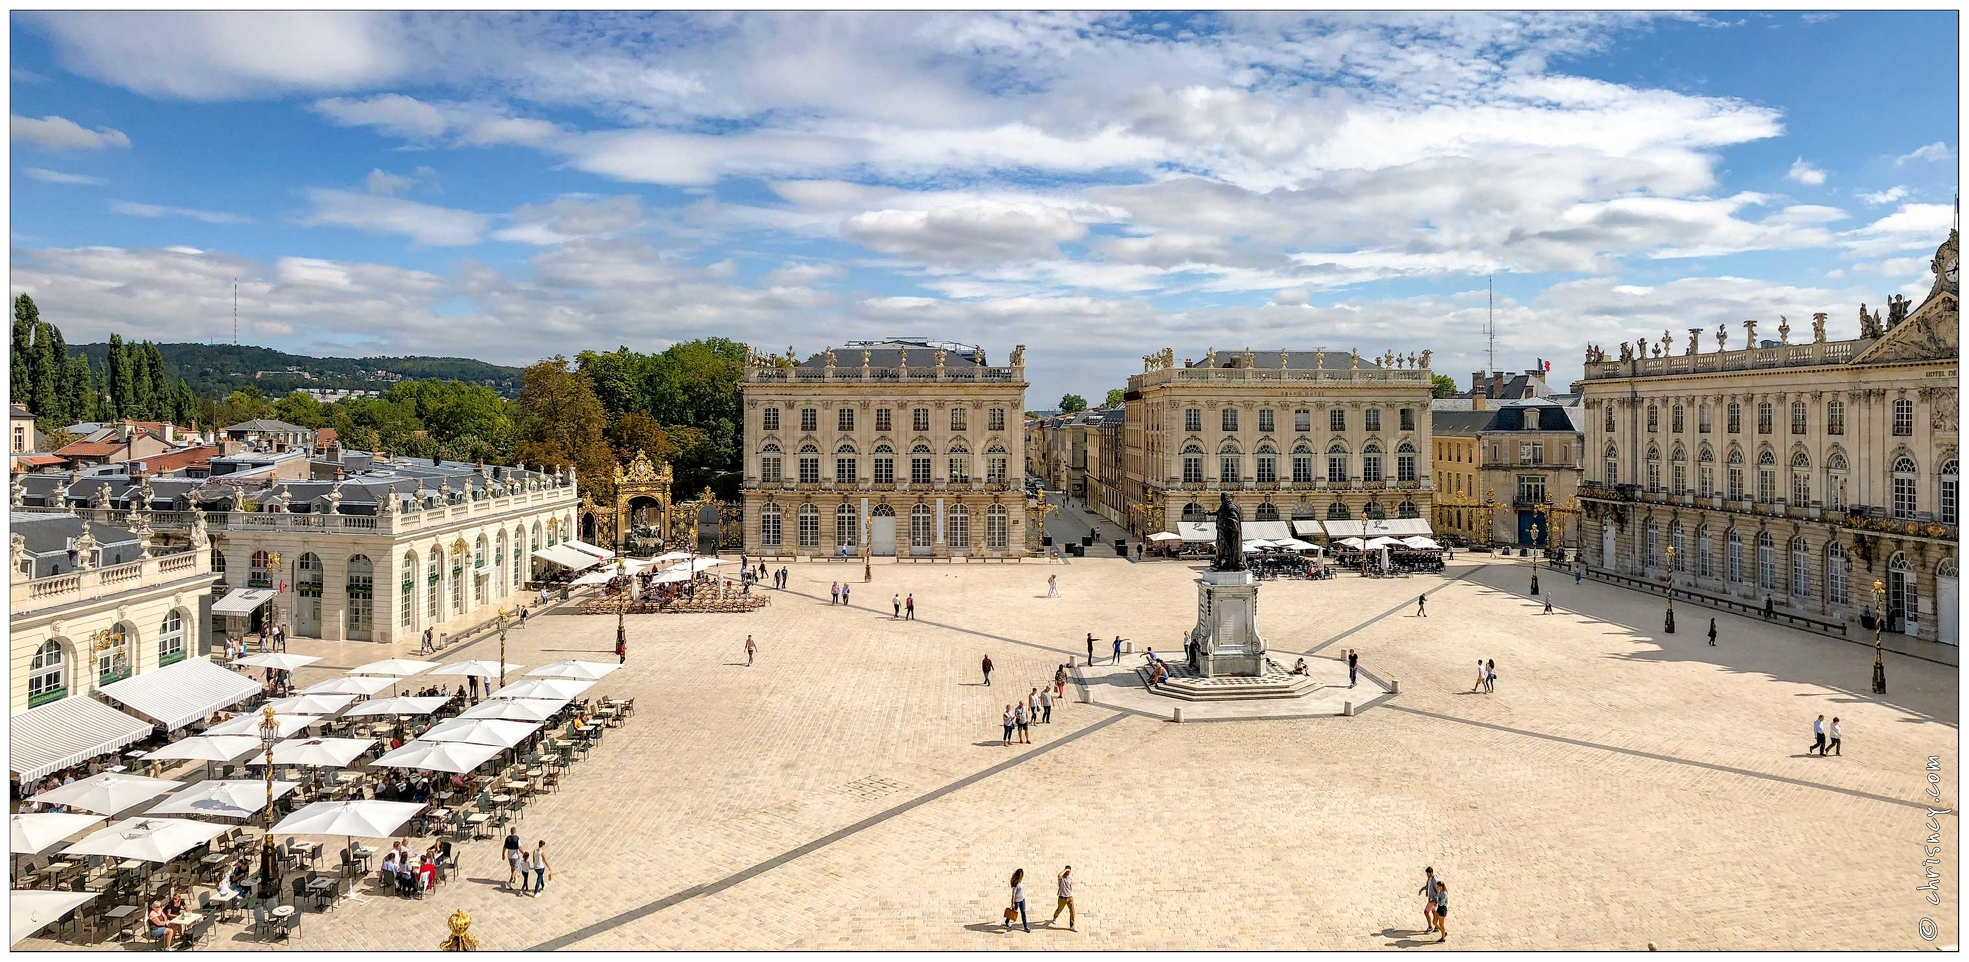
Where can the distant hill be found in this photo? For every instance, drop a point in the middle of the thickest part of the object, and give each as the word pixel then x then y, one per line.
pixel 215 370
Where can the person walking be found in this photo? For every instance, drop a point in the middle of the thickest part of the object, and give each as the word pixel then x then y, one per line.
pixel 541 870
pixel 1712 632
pixel 1018 901
pixel 834 593
pixel 1023 721
pixel 1428 892
pixel 897 603
pixel 987 672
pixel 1032 706
pixel 1008 727
pixel 1490 675
pixel 1066 898
pixel 474 680
pixel 523 610
pixel 1060 683
pixel 1768 612
pixel 1548 603
pixel 751 648
pixel 1834 732
pixel 621 651
pixel 1046 705
pixel 427 641
pixel 515 855
pixel 844 593
pixel 1052 586
pixel 1479 683
pixel 1818 737
pixel 1353 667
pixel 1577 573
pixel 1420 602
pixel 1442 910
pixel 909 607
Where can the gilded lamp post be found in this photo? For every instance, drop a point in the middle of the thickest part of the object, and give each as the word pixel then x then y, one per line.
pixel 1879 623
pixel 622 602
pixel 1668 622
pixel 503 625
pixel 269 875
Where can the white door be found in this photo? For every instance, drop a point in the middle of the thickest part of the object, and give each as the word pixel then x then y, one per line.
pixel 882 535
pixel 1946 603
pixel 1606 548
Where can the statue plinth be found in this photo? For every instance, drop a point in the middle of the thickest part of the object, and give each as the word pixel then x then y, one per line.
pixel 1226 633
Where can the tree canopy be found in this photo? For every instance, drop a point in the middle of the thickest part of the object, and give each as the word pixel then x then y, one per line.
pixel 1072 403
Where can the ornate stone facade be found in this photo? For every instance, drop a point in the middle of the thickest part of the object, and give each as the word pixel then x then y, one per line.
pixel 1799 472
pixel 896 447
pixel 1289 434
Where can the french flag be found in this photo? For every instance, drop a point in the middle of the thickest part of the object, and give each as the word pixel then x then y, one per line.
pixel 1545 365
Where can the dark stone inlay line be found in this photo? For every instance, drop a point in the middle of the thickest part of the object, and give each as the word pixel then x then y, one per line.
pixel 641 911
pixel 948 627
pixel 1655 756
pixel 1393 611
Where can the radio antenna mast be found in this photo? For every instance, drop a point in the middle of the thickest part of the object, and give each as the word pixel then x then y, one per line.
pixel 1490 323
pixel 235 312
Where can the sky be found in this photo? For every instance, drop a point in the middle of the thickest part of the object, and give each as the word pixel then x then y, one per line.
pixel 1096 186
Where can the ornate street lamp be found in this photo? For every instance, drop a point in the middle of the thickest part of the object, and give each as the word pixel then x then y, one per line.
pixel 502 647
pixel 622 601
pixel 269 876
pixel 1668 623
pixel 1534 559
pixel 1879 622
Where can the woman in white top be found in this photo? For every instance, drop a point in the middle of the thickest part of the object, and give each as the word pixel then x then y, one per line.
pixel 1018 900
pixel 226 890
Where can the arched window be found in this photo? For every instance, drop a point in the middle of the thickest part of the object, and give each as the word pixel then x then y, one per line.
pixel 885 464
pixel 1801 478
pixel 1946 494
pixel 769 525
pixel 1903 418
pixel 1336 463
pixel 536 538
pixel 519 561
pixel 1651 547
pixel 1373 511
pixel 1405 462
pixel 845 464
pixel 113 660
pixel 1705 553
pixel 921 526
pixel 997 464
pixel 1767 476
pixel 1267 464
pixel 1192 464
pixel 1767 561
pixel 47 677
pixel 1835 481
pixel 1229 459
pixel 361 589
pixel 809 526
pixel 1303 511
pixel 1612 459
pixel 1905 481
pixel 407 592
pixel 997 527
pixel 1734 560
pixel 1801 568
pixel 498 562
pixel 1735 460
pixel 919 464
pixel 1267 512
pixel 1903 600
pixel 1337 512
pixel 1407 509
pixel 847 526
pixel 1678 540
pixel 1302 463
pixel 1705 470
pixel 1835 574
pixel 307 576
pixel 1654 469
pixel 257 573
pixel 1371 462
pixel 1678 470
pixel 1194 512
pixel 809 464
pixel 769 464
pixel 957 526
pixel 433 576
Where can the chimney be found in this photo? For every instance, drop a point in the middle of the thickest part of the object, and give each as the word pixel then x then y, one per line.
pixel 170 432
pixel 1496 384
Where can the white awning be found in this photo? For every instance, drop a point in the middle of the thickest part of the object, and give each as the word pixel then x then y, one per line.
pixel 586 548
pixel 1308 528
pixel 1197 530
pixel 1165 536
pixel 177 695
pixel 566 557
pixel 1382 528
pixel 1266 531
pixel 59 734
pixel 242 601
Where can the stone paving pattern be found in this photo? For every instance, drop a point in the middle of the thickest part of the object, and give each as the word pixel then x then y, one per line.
pixel 1620 786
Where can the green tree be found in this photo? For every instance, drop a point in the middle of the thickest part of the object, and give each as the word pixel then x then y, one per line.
pixel 559 421
pixel 26 317
pixel 298 408
pixel 1072 402
pixel 122 381
pixel 77 388
pixel 1442 386
pixel 1114 398
pixel 45 368
pixel 245 404
pixel 157 389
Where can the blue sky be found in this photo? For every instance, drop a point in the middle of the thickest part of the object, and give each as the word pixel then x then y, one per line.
pixel 1095 186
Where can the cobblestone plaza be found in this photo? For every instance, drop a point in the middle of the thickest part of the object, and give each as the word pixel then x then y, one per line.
pixel 849 790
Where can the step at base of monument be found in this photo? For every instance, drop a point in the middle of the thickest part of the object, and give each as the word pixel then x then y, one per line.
pixel 1188 687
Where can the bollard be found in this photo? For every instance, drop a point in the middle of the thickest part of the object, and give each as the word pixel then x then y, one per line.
pixel 1347 709
pixel 1084 696
pixel 1179 715
pixel 1394 686
pixel 1131 647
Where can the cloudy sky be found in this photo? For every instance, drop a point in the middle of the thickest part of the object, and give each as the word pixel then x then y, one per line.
pixel 1096 186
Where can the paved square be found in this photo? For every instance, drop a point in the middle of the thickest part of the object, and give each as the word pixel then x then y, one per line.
pixel 849 790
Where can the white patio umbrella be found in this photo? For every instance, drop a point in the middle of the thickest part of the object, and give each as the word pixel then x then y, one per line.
pixel 701 564
pixel 399 667
pixel 317 752
pixel 673 577
pixel 277 659
pixel 221 747
pixel 589 670
pixel 108 793
pixel 147 839
pixel 1257 544
pixel 1384 542
pixel 396 706
pixel 237 798
pixel 32 909
pixel 1165 536
pixel 350 685
pixel 671 556
pixel 245 722
pixel 480 731
pixel 1297 545
pixel 368 818
pixel 544 688
pixel 481 668
pixel 1421 543
pixel 438 756
pixel 592 578
pixel 35 831
pixel 1354 543
pixel 516 709
pixel 311 704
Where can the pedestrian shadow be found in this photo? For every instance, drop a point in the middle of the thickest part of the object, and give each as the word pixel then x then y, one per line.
pixel 1406 938
pixel 736 664
pixel 993 743
pixel 988 928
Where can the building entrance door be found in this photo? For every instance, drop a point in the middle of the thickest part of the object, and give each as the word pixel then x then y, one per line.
pixel 882 532
pixel 1525 519
pixel 1606 548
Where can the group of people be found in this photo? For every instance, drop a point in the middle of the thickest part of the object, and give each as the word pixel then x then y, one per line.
pixel 905 608
pixel 779 577
pixel 1036 708
pixel 412 873
pixel 1435 915
pixel 167 919
pixel 1117 648
pixel 1820 735
pixel 837 593
pixel 1486 676
pixel 522 864
pixel 1016 912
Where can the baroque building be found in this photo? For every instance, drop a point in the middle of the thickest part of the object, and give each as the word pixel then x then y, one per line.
pixel 900 447
pixel 1509 475
pixel 1804 473
pixel 1289 434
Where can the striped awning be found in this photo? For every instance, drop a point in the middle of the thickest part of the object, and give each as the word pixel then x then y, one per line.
pixel 567 557
pixel 61 733
pixel 177 695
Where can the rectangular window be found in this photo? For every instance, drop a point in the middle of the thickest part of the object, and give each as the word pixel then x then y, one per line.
pixel 995 467
pixel 1735 560
pixel 882 419
pixel 769 419
pixel 1736 484
pixel 1531 488
pixel 1680 473
pixel 769 468
pixel 919 419
pixel 1764 418
pixel 1676 420
pixel 1228 469
pixel 810 469
pixel 1374 419
pixel 1835 418
pixel 1947 500
pixel 1336 468
pixel 1801 488
pixel 995 421
pixel 1265 421
pixel 1736 419
pixel 960 468
pixel 1302 469
pixel 885 469
pixel 1654 419
pixel 1302 420
pixel 809 419
pixel 1267 468
pixel 769 528
pixel 1336 420
pixel 1371 466
pixel 1798 417
pixel 919 470
pixel 1767 485
pixel 1193 419
pixel 844 469
pixel 1904 418
pixel 1408 419
pixel 1192 469
pixel 1904 500
pixel 1703 420
pixel 1404 466
pixel 1230 419
pixel 809 527
pixel 957 416
pixel 1705 480
pixel 845 420
pixel 1531 453
pixel 1835 491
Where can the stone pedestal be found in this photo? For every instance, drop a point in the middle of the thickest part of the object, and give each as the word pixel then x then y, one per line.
pixel 1226 632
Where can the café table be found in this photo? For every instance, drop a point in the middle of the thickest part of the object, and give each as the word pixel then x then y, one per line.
pixel 226 903
pixel 124 916
pixel 478 822
pixel 323 884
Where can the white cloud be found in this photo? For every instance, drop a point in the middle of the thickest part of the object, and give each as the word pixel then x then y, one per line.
pixel 59 177
pixel 393 114
pixel 159 210
pixel 982 231
pixel 1805 173
pixel 61 133
pixel 1912 227
pixel 426 225
pixel 1937 151
pixel 216 55
pixel 802 274
pixel 569 218
pixel 385 184
pixel 1887 196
